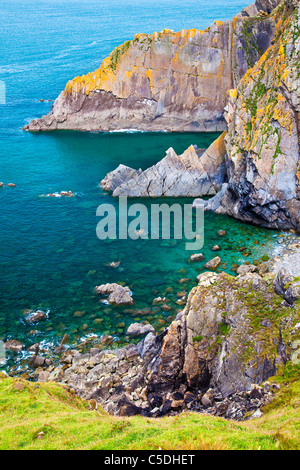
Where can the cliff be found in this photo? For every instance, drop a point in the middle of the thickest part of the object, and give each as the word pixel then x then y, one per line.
pixel 194 173
pixel 174 81
pixel 48 416
pixel 262 143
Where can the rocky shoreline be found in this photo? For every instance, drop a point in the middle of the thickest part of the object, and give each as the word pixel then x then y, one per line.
pixel 197 172
pixel 216 357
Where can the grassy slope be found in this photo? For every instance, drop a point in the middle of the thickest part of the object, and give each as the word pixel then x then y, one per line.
pixel 67 423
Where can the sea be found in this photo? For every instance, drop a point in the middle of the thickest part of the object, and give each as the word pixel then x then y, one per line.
pixel 50 256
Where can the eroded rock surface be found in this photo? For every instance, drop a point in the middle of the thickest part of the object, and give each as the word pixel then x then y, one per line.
pixel 174 81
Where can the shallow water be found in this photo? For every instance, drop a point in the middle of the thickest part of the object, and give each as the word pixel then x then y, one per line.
pixel 50 256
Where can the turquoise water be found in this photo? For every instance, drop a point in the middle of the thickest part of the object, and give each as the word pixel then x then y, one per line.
pixel 50 256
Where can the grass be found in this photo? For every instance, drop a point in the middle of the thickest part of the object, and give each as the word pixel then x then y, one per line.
pixel 48 416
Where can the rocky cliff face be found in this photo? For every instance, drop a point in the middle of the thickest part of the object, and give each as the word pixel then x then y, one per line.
pixel 164 81
pixel 262 143
pixel 233 332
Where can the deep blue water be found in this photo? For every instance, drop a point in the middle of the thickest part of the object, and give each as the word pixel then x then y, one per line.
pixel 50 256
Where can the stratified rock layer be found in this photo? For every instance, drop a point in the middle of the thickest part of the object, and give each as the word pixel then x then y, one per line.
pixel 233 332
pixel 163 81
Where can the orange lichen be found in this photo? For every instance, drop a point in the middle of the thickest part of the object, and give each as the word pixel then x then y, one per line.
pixel 233 93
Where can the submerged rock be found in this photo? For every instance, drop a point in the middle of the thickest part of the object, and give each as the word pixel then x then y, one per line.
pixel 117 294
pixel 139 329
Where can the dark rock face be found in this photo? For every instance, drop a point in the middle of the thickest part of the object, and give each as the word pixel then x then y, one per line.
pixel 283 277
pixel 166 368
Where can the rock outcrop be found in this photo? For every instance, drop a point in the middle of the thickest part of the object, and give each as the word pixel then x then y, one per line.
pixel 164 81
pixel 194 173
pixel 233 333
pixel 120 175
pixel 262 144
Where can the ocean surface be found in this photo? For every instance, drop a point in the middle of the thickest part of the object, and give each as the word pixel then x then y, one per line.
pixel 50 256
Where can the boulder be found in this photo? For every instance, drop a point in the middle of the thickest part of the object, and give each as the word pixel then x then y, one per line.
pixel 246 268
pixel 36 361
pixel 117 294
pixel 196 257
pixel 35 317
pixel 14 345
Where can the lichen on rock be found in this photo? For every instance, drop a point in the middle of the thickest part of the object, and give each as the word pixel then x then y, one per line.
pixel 262 143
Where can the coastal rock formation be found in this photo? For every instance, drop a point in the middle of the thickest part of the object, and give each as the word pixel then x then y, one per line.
pixel 262 144
pixel 165 81
pixel 234 333
pixel 115 178
pixel 194 173
pixel 116 293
